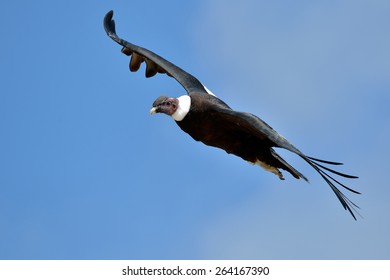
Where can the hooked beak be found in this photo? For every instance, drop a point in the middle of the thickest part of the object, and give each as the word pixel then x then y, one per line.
pixel 153 111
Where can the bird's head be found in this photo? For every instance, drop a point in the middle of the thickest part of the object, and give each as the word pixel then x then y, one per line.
pixel 177 108
pixel 166 105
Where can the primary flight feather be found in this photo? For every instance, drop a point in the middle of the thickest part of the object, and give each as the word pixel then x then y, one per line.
pixel 208 119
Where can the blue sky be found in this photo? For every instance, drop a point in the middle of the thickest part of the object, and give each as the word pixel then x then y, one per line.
pixel 87 173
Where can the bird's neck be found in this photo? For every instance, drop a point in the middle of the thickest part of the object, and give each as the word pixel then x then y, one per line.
pixel 183 108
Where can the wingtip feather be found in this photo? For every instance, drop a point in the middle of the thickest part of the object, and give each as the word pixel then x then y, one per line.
pixel 326 161
pixel 109 23
pixel 345 201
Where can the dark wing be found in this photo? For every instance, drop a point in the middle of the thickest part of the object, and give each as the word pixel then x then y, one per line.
pixel 262 130
pixel 154 63
pixel 258 128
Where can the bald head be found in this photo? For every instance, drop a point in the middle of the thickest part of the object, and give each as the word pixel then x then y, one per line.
pixel 177 108
pixel 166 105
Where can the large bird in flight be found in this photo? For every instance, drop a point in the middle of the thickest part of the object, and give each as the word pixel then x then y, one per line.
pixel 208 119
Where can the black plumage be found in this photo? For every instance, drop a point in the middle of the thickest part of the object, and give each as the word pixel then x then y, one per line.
pixel 213 122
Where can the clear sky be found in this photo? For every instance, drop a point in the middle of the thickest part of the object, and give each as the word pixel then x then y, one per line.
pixel 87 173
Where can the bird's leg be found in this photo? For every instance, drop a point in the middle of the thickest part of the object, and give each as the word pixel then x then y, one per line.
pixel 268 168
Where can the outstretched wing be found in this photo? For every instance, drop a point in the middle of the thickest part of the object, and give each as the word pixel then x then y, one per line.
pixel 154 63
pixel 257 127
pixel 262 130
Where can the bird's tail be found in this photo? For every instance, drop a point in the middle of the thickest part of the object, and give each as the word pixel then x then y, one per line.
pixel 317 164
pixel 286 166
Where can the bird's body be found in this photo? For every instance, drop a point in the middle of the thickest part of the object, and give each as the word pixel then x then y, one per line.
pixel 208 119
pixel 213 128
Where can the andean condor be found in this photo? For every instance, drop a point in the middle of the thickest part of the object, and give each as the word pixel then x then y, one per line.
pixel 208 119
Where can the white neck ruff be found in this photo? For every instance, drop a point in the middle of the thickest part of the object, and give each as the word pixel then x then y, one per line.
pixel 183 108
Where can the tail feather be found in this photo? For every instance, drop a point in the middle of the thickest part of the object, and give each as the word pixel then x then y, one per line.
pixel 288 167
pixel 345 201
